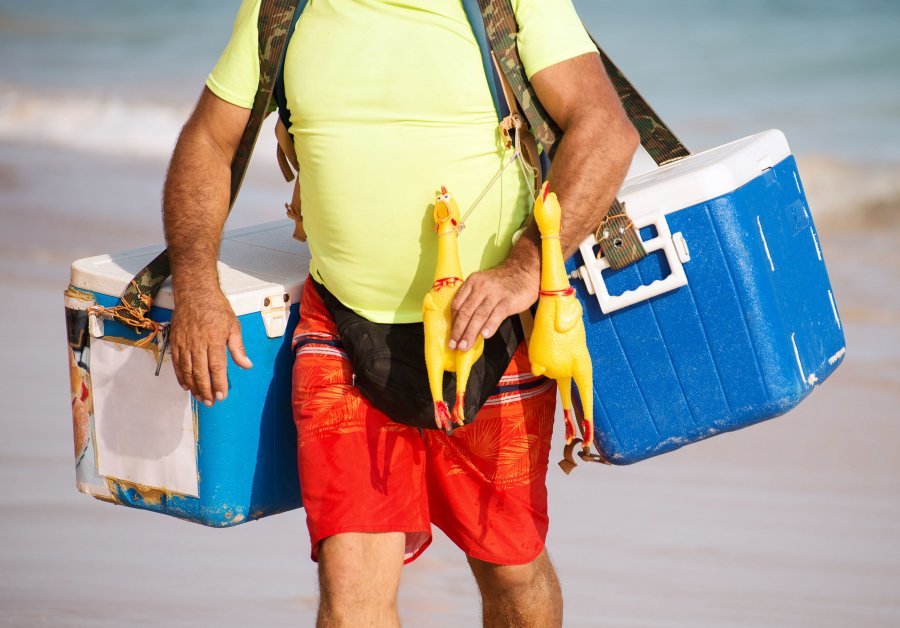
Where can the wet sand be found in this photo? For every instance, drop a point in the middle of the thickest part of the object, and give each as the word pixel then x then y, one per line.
pixel 795 522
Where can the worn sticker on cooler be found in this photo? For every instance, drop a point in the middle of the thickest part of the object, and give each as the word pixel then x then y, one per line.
pixel 144 423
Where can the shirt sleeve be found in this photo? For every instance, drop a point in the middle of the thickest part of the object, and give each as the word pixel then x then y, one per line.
pixel 236 75
pixel 550 31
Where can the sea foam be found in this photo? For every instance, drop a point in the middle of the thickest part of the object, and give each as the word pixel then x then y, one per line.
pixel 89 121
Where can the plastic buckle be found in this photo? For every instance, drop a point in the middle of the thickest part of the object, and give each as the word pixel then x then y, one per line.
pixel 619 241
pixel 592 271
pixel 275 314
pixel 506 126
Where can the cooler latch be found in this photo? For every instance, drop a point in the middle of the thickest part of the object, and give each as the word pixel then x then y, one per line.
pixel 274 312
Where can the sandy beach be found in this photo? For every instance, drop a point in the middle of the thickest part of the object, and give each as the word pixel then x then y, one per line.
pixel 794 522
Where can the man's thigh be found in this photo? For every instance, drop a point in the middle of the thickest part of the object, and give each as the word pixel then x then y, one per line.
pixel 359 471
pixel 487 481
pixel 349 563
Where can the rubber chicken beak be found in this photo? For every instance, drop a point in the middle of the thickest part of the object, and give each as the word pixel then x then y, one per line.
pixel 442 212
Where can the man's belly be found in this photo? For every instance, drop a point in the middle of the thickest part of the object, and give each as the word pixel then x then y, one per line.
pixel 369 219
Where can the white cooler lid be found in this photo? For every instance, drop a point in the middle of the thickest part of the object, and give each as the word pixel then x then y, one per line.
pixel 703 176
pixel 254 263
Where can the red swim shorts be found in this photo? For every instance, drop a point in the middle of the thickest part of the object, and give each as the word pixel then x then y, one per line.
pixel 361 472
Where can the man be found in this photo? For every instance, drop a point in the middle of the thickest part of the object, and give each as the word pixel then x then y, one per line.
pixel 388 102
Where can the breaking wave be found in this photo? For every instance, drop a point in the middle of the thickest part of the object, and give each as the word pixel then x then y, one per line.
pixel 842 191
pixel 115 125
pixel 92 122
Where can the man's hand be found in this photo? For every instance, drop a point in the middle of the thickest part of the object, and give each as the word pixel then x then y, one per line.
pixel 201 329
pixel 489 297
pixel 195 205
pixel 588 169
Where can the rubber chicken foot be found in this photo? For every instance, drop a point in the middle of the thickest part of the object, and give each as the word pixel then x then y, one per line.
pixel 570 425
pixel 442 416
pixel 459 410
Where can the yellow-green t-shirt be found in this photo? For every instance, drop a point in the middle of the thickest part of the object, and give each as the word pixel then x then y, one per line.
pixel 389 102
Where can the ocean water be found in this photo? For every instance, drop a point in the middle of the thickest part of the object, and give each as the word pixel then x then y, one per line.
pixel 120 77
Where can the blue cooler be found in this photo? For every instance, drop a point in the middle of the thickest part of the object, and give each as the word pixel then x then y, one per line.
pixel 729 321
pixel 142 441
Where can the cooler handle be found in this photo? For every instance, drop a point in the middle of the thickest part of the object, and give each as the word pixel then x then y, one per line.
pixel 592 271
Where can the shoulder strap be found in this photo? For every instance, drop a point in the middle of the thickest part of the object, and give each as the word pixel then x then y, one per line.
pixel 278 95
pixel 275 20
pixel 476 22
pixel 656 137
pixel 501 26
pixel 513 125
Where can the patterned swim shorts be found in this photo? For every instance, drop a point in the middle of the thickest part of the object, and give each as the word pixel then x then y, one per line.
pixel 483 485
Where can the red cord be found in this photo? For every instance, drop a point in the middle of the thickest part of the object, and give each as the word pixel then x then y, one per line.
pixel 446 282
pixel 567 292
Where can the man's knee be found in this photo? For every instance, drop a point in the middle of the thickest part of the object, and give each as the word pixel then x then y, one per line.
pixel 535 578
pixel 359 575
pixel 519 595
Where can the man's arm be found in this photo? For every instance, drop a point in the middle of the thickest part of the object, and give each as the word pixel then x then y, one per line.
pixel 195 206
pixel 588 169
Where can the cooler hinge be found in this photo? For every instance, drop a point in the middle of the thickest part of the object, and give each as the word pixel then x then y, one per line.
pixel 275 312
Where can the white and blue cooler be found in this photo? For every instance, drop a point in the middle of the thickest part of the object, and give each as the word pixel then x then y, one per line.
pixel 141 440
pixel 730 320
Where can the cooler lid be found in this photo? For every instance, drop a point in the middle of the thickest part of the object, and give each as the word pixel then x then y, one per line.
pixel 703 176
pixel 254 263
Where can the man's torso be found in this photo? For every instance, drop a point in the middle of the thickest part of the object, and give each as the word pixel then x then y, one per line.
pixel 389 101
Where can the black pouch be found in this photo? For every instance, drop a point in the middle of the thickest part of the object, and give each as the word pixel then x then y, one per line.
pixel 389 364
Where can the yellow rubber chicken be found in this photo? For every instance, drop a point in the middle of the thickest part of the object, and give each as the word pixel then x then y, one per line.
pixel 558 347
pixel 439 357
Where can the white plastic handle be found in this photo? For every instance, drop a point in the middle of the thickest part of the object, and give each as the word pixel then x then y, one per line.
pixel 592 271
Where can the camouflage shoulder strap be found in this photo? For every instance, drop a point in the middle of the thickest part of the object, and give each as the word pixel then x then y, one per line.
pixel 656 137
pixel 620 242
pixel 502 28
pixel 275 18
